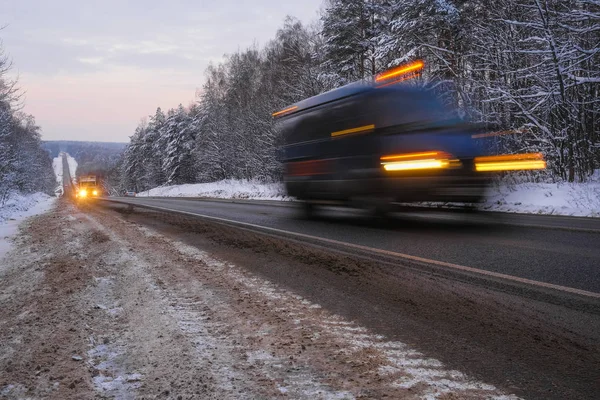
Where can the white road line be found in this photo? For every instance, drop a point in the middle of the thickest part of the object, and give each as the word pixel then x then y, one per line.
pixel 383 252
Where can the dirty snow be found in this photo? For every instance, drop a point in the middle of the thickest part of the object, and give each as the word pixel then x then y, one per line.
pixel 407 368
pixel 15 210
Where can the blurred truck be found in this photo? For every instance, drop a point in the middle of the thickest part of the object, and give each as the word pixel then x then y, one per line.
pixel 89 186
pixel 381 142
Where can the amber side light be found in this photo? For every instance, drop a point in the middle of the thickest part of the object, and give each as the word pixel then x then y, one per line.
pixel 400 70
pixel 421 160
pixel 360 129
pixel 510 162
pixel 284 111
pixel 426 154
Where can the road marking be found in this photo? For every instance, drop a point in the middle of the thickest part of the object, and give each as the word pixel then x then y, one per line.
pixel 380 251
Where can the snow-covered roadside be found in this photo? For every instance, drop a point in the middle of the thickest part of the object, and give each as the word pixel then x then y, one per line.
pixel 72 166
pixel 225 189
pixel 57 165
pixel 17 209
pixel 577 199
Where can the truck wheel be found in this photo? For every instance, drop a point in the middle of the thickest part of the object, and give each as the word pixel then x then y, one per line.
pixel 308 209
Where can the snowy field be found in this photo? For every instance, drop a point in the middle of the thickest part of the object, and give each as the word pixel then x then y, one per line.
pixel 15 210
pixel 577 199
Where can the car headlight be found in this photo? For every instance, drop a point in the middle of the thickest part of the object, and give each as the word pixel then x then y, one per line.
pixel 83 193
pixel 95 193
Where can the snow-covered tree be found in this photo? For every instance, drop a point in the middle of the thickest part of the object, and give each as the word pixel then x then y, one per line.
pixel 24 166
pixel 526 66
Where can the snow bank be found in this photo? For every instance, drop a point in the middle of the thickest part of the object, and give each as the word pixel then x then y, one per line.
pixel 577 199
pixel 58 169
pixel 57 165
pixel 15 210
pixel 72 166
pixel 225 189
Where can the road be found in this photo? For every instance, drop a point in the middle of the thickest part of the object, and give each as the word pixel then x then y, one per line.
pixel 554 250
pixel 510 299
pixel 196 298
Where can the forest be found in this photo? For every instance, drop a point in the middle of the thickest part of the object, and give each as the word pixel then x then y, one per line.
pixel 530 66
pixel 25 167
pixel 93 158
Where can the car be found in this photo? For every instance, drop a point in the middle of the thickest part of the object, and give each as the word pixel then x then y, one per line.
pixel 130 193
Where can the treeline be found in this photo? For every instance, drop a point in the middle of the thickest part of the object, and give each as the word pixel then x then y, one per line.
pixel 529 66
pixel 25 167
pixel 93 158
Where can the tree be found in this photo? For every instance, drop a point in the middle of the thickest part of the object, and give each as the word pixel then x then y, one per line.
pixel 24 166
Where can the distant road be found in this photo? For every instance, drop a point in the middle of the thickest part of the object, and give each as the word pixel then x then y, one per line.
pixel 549 250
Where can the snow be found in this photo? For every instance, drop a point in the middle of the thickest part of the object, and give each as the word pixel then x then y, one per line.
pixel 16 209
pixel 57 165
pixel 58 169
pixel 72 166
pixel 575 199
pixel 225 189
pixel 412 369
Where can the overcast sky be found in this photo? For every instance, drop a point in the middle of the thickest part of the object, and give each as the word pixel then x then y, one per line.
pixel 92 69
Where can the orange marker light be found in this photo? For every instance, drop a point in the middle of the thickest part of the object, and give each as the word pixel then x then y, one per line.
pixel 510 162
pixel 427 154
pixel 360 129
pixel 422 160
pixel 416 164
pixel 401 70
pixel 285 111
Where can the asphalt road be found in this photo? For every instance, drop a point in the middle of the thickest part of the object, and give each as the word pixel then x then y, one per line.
pixel 562 251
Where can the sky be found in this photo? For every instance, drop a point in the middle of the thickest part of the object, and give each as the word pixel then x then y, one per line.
pixel 92 69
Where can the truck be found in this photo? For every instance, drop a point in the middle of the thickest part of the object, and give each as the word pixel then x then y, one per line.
pixel 89 186
pixel 381 142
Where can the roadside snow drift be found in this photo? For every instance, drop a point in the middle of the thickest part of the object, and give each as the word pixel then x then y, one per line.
pixel 15 210
pixel 225 189
pixel 57 165
pixel 72 166
pixel 577 199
